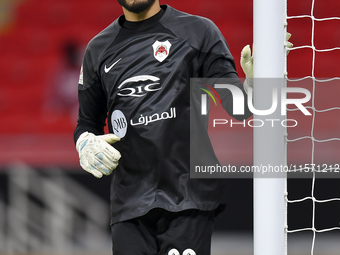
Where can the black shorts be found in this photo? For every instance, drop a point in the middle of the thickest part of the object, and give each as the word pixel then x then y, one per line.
pixel 164 233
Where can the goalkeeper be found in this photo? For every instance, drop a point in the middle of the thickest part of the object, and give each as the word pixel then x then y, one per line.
pixel 136 73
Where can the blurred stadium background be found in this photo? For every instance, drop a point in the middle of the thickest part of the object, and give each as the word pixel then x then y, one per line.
pixel 48 205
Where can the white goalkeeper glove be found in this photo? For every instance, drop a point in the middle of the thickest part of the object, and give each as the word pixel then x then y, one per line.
pixel 247 63
pixel 96 155
pixel 247 67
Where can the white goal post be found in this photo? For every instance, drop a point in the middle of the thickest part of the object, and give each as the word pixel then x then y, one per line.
pixel 269 143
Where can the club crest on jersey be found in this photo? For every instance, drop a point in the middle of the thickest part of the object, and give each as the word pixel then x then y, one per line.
pixel 161 50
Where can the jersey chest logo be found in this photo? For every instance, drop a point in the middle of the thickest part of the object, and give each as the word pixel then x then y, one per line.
pixel 161 50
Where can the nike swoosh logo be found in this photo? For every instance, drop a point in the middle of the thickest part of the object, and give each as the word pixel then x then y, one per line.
pixel 107 69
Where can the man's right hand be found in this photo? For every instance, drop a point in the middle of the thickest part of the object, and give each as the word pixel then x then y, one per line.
pixel 96 155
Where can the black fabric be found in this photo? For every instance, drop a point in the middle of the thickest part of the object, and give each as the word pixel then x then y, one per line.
pixel 123 77
pixel 141 24
pixel 161 232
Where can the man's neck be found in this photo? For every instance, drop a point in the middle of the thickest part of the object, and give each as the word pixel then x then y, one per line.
pixel 151 11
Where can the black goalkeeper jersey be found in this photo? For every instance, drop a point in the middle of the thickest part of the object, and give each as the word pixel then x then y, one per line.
pixel 138 76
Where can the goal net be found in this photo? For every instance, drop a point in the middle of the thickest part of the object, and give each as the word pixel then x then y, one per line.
pixel 304 203
pixel 314 146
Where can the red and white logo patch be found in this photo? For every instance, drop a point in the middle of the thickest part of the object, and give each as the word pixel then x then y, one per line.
pixel 81 79
pixel 161 50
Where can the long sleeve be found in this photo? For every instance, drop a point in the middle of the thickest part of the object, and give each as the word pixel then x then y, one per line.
pixel 217 62
pixel 92 101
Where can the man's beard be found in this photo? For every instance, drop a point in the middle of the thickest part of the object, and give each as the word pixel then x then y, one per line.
pixel 137 7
